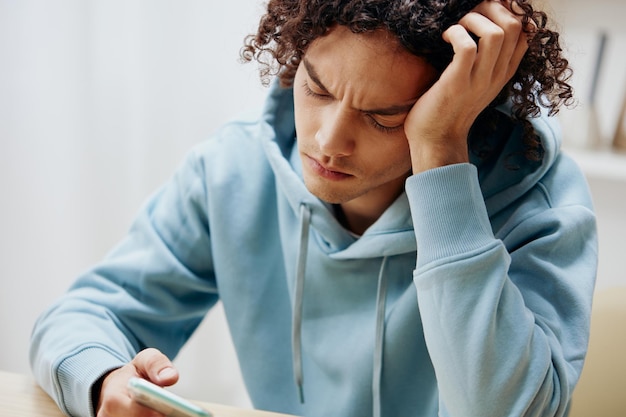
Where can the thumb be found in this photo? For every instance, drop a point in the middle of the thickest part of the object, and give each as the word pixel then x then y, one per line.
pixel 153 365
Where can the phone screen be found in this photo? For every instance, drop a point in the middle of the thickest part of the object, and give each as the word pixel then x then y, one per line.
pixel 162 400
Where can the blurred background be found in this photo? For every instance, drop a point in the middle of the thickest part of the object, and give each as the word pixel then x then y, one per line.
pixel 100 100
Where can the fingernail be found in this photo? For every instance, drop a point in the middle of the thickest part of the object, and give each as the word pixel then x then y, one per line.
pixel 167 373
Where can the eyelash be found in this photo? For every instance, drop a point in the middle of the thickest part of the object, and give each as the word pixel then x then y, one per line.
pixel 311 93
pixel 382 128
pixel 385 129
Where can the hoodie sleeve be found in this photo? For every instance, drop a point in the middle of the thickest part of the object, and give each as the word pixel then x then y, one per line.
pixel 506 316
pixel 153 289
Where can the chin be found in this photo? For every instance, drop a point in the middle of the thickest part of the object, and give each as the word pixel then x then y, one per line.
pixel 329 194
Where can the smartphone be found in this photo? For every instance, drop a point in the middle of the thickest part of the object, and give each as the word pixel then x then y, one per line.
pixel 162 400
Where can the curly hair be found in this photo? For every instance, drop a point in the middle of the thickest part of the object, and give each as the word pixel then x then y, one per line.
pixel 289 26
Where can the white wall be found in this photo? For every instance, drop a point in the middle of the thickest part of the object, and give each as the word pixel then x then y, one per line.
pixel 581 22
pixel 99 101
pixel 610 204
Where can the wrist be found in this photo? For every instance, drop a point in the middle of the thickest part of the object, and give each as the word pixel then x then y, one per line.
pixel 96 389
pixel 429 156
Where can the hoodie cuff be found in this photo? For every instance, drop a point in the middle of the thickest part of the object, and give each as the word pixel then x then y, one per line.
pixel 78 373
pixel 449 213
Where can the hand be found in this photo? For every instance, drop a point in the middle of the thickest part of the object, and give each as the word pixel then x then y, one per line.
pixel 438 125
pixel 115 400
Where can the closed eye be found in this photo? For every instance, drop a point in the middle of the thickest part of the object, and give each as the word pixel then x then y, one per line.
pixel 309 92
pixel 384 128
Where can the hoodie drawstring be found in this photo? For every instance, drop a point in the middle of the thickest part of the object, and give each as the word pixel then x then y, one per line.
pixel 296 329
pixel 379 339
pixel 296 326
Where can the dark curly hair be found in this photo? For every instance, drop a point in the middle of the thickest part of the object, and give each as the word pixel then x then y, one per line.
pixel 289 26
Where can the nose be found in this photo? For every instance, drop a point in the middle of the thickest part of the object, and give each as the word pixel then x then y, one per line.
pixel 335 134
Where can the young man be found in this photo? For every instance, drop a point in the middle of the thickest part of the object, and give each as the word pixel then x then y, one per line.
pixel 396 236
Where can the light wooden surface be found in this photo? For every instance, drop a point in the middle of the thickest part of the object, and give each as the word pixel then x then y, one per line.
pixel 601 391
pixel 20 396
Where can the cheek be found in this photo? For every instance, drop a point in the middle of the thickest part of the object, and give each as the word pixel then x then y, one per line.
pixel 391 154
pixel 308 121
pixel 304 114
pixel 401 164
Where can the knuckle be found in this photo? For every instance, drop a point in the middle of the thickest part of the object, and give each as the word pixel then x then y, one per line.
pixel 148 354
pixel 147 358
pixel 511 21
pixel 153 358
pixel 467 46
pixel 497 33
pixel 514 24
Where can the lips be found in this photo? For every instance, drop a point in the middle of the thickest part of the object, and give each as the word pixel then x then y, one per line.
pixel 326 171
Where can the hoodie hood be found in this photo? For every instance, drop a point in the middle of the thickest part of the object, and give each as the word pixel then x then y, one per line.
pixel 507 175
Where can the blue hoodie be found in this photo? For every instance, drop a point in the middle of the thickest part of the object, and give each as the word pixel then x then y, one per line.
pixel 469 296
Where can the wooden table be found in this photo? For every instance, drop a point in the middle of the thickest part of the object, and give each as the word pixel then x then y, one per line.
pixel 20 396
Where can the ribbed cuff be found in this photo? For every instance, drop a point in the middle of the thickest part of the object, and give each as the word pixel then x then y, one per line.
pixel 78 373
pixel 449 213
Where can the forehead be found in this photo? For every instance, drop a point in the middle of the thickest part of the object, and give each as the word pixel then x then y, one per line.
pixel 373 46
pixel 372 64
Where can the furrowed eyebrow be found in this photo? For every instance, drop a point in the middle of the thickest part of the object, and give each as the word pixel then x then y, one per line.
pixel 391 110
pixel 384 111
pixel 315 76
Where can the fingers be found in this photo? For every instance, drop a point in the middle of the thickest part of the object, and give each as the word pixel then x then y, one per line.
pixel 153 365
pixel 121 404
pixel 502 42
pixel 492 45
pixel 507 15
pixel 114 398
pixel 465 51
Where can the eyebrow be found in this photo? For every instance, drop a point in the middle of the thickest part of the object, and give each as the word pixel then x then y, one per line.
pixel 314 76
pixel 384 111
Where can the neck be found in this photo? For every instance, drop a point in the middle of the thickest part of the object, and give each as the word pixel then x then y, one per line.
pixel 359 213
pixel 358 217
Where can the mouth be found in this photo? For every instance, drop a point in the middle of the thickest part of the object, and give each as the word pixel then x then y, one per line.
pixel 325 171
